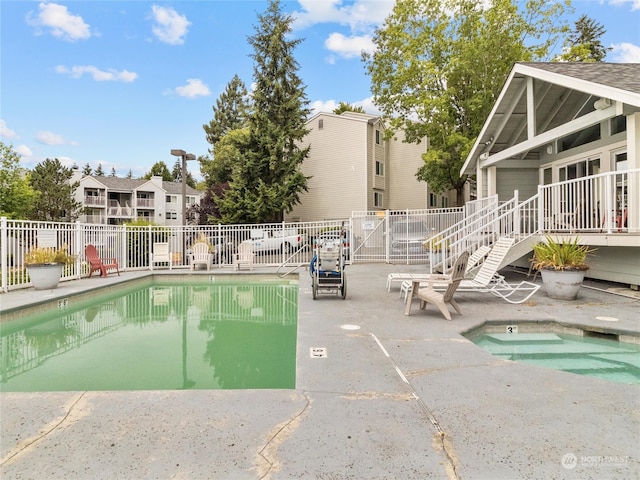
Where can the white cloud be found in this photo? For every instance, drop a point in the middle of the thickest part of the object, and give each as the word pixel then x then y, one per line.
pixel 23 151
pixel 635 4
pixel 193 88
pixel 110 75
pixel 61 24
pixel 50 138
pixel 323 106
pixel 625 53
pixel 169 27
pixel 328 106
pixel 349 47
pixel 359 15
pixel 6 132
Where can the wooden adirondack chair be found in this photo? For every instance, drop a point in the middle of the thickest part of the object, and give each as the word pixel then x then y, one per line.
pixel 440 299
pixel 103 265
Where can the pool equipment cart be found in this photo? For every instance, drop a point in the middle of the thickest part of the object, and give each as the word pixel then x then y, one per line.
pixel 327 268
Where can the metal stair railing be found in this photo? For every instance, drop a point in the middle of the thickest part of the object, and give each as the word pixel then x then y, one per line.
pixel 512 219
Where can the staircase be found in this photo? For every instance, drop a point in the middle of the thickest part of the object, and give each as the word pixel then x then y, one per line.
pixel 486 224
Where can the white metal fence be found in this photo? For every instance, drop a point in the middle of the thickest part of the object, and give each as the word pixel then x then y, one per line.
pixel 607 203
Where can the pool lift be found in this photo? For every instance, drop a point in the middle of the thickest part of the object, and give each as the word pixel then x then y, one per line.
pixel 327 267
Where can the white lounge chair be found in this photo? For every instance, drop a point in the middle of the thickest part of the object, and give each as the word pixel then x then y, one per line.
pixel 161 254
pixel 244 256
pixel 487 279
pixel 474 259
pixel 200 255
pixel 440 299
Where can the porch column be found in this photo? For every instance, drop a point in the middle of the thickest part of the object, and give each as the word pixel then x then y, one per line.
pixel 633 162
pixel 491 180
pixel 479 181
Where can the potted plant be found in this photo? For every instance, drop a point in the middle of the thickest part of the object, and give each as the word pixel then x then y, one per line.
pixel 562 264
pixel 436 247
pixel 44 265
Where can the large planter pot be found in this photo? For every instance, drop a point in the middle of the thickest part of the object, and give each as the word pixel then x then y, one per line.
pixel 45 276
pixel 562 284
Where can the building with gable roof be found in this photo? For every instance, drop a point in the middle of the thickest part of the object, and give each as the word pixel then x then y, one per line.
pixel 115 200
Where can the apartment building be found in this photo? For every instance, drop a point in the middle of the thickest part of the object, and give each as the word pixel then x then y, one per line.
pixel 353 168
pixel 114 200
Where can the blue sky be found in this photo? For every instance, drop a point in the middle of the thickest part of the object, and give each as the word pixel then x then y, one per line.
pixel 121 83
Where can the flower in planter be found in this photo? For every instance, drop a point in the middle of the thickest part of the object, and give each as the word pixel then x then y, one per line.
pixel 44 255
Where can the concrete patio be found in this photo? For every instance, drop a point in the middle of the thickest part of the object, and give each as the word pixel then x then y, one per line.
pixel 399 398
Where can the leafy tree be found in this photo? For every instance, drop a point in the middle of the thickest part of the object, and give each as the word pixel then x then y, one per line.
pixel 55 201
pixel 439 66
pixel 206 212
pixel 159 169
pixel 230 111
pixel 583 43
pixel 269 181
pixel 228 153
pixel 86 170
pixel 16 193
pixel 99 171
pixel 347 107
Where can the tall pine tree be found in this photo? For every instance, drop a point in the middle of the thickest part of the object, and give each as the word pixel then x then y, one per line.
pixel 583 43
pixel 268 180
pixel 229 113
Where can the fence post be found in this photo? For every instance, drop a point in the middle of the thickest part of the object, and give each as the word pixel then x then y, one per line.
pixel 387 237
pixel 516 213
pixel 80 248
pixel 123 247
pixel 3 254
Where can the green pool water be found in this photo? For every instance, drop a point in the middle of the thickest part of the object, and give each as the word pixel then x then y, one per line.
pixel 158 336
pixel 597 357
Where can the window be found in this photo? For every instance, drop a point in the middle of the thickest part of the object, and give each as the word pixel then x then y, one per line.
pixel 618 124
pixel 191 200
pixel 379 168
pixel 445 202
pixel 172 198
pixel 320 124
pixel 433 200
pixel 547 178
pixel 587 135
pixel 378 137
pixel 377 199
pixel 621 161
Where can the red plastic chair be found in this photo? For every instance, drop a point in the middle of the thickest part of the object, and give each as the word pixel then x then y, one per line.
pixel 99 264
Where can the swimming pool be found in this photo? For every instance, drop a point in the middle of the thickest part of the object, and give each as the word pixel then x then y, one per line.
pixel 165 334
pixel 590 354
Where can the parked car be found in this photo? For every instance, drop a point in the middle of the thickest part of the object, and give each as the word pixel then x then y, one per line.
pixel 406 237
pixel 334 236
pixel 287 241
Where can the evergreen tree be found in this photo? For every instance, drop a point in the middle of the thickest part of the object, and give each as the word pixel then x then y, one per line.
pixel 229 113
pixel 86 170
pixel 113 171
pixel 130 174
pixel 99 172
pixel 347 107
pixel 268 181
pixel 16 193
pixel 583 43
pixel 176 174
pixel 55 201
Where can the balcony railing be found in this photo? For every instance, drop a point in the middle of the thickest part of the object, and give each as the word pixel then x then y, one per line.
pixel 95 201
pixel 145 202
